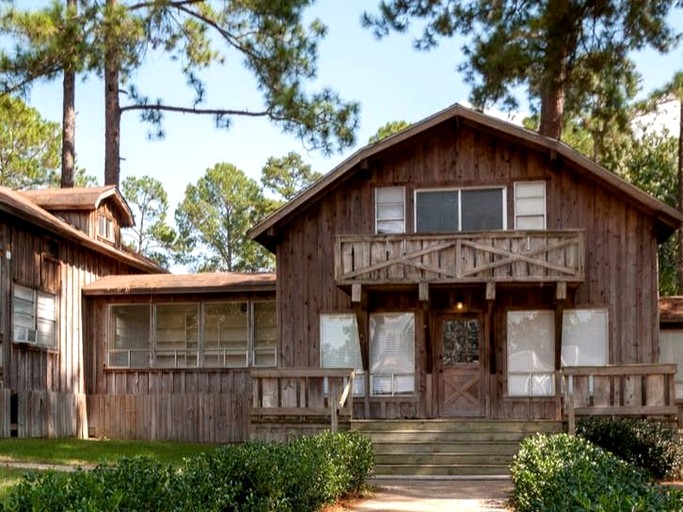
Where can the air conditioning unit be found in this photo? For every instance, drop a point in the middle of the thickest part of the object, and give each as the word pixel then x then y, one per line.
pixel 24 335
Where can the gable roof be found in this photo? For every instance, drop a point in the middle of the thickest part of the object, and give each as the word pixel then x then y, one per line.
pixel 182 283
pixel 668 219
pixel 81 198
pixel 18 205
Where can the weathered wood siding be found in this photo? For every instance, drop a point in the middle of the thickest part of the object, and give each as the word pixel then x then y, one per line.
pixel 620 268
pixel 48 385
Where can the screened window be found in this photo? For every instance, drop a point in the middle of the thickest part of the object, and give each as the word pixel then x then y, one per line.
pixel 340 347
pixel 584 337
pixel 439 211
pixel 34 317
pixel 530 205
pixel 129 342
pixel 264 351
pixel 671 351
pixel 392 353
pixel 390 210
pixel 176 335
pixel 226 334
pixel 531 354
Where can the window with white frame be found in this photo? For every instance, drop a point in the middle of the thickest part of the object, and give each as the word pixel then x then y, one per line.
pixel 34 317
pixel 392 353
pixel 584 337
pixel 340 346
pixel 449 210
pixel 530 353
pixel 176 335
pixel 233 334
pixel 390 211
pixel 105 227
pixel 671 351
pixel 530 205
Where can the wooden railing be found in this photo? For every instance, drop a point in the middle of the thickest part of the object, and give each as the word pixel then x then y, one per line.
pixel 618 390
pixel 288 393
pixel 496 256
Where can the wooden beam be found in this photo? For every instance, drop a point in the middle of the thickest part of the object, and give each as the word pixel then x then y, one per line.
pixel 491 290
pixel 423 291
pixel 561 290
pixel 356 293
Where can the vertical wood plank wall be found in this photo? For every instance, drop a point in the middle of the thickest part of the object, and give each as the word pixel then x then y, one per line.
pixel 620 258
pixel 49 385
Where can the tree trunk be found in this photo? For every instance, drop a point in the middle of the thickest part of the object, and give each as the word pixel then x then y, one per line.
pixel 112 109
pixel 552 109
pixel 69 116
pixel 680 194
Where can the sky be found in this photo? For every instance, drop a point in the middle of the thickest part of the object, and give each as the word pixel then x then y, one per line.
pixel 390 79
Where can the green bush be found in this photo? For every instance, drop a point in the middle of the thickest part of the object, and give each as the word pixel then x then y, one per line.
pixel 253 477
pixel 562 473
pixel 651 445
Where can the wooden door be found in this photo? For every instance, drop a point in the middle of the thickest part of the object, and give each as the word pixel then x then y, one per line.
pixel 461 365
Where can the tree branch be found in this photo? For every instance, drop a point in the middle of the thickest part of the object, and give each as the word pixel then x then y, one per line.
pixel 203 111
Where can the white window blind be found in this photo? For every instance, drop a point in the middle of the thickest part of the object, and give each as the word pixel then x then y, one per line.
pixel 531 354
pixel 390 210
pixel 584 337
pixel 392 353
pixel 671 351
pixel 339 345
pixel 530 205
pixel 46 321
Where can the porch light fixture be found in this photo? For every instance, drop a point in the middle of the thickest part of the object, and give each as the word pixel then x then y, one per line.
pixel 459 304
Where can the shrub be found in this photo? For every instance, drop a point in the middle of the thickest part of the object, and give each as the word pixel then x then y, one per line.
pixel 651 445
pixel 557 473
pixel 253 477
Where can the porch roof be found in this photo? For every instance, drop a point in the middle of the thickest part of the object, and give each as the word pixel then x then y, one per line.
pixel 671 310
pixel 666 218
pixel 182 283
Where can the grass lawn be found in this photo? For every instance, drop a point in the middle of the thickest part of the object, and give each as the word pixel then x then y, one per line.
pixel 73 451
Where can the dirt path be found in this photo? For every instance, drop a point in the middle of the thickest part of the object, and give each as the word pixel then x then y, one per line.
pixel 436 496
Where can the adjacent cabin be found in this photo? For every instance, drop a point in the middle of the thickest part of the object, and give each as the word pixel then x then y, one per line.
pixel 469 268
pixel 48 254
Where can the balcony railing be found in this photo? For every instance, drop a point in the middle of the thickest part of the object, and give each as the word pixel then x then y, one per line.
pixel 482 257
pixel 619 390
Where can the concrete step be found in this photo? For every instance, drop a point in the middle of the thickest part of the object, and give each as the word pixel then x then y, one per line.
pixel 416 447
pixel 436 470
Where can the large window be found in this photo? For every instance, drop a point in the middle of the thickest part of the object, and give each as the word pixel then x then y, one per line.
pixel 530 353
pixel 390 210
pixel 207 334
pixel 671 351
pixel 34 317
pixel 339 345
pixel 439 211
pixel 530 205
pixel 392 353
pixel 584 337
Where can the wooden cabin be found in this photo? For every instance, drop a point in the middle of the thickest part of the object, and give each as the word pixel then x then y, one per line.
pixel 45 261
pixel 469 268
pixel 169 356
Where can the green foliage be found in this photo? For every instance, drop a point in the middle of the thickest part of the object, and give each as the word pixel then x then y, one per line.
pixel 558 473
pixel 650 445
pixel 387 130
pixel 213 220
pixel 151 235
pixel 256 477
pixel 29 146
pixel 288 175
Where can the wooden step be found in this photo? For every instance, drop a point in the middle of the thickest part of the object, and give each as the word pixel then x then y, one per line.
pixel 442 448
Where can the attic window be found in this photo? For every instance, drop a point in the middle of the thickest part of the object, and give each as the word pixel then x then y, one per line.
pixel 105 228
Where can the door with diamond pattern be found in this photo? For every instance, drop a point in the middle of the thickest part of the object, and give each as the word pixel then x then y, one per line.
pixel 460 362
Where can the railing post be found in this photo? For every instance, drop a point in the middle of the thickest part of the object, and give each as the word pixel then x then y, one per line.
pixel 569 394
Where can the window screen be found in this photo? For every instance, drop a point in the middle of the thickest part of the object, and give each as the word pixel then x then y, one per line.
pixel 392 353
pixel 129 345
pixel 482 209
pixel 436 211
pixel 530 205
pixel 264 351
pixel 226 335
pixel 390 210
pixel 671 351
pixel 531 354
pixel 340 347
pixel 584 337
pixel 176 335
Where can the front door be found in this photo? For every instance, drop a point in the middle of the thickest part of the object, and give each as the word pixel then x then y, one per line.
pixel 461 365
